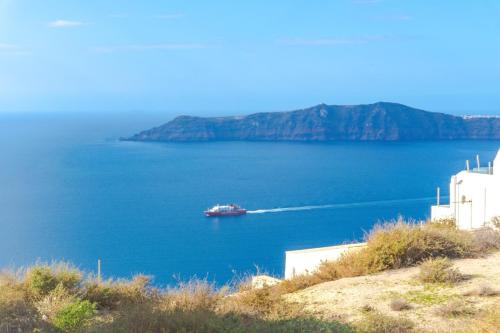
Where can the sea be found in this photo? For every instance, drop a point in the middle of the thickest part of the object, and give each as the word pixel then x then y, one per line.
pixel 70 190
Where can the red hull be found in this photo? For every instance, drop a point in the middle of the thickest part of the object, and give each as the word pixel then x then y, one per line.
pixel 228 213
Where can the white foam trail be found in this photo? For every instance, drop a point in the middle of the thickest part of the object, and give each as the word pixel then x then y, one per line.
pixel 333 206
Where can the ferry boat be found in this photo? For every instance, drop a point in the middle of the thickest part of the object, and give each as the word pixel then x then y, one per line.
pixel 225 210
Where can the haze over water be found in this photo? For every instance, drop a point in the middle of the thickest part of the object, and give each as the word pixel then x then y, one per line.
pixel 70 190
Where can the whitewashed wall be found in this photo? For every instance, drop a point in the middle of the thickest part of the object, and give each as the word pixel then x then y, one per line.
pixel 307 261
pixel 477 199
pixel 441 212
pixel 474 198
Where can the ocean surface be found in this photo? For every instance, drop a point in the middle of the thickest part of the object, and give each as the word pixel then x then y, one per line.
pixel 70 190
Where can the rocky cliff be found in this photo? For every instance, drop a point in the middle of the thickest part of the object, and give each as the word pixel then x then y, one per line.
pixel 370 122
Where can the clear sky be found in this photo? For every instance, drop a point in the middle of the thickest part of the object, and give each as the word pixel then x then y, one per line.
pixel 244 56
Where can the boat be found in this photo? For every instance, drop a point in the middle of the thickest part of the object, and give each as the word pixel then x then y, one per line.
pixel 225 210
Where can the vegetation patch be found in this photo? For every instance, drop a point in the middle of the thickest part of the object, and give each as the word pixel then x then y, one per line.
pixel 483 290
pixel 376 322
pixel 57 298
pixel 399 304
pixel 74 316
pixel 486 322
pixel 454 309
pixel 426 297
pixel 439 270
pixel 429 295
pixel 393 245
pixel 46 298
pixel 486 239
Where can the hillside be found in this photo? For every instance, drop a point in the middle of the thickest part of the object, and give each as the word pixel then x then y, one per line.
pixel 371 122
pixel 347 298
pixel 361 292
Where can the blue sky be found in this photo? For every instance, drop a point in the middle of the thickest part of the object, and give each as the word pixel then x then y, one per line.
pixel 208 57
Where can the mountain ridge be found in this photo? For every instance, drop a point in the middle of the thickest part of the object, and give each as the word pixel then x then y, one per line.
pixel 381 121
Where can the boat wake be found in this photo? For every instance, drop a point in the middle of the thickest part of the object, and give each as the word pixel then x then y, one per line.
pixel 336 206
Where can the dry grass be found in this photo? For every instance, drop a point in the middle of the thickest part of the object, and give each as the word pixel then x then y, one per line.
pixel 16 312
pixel 454 309
pixel 486 322
pixel 483 290
pixel 390 246
pixel 495 221
pixel 486 239
pixel 439 270
pixel 47 298
pixel 399 304
pixel 376 322
pixel 33 299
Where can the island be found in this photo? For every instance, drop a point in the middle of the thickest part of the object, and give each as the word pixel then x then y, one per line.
pixel 380 121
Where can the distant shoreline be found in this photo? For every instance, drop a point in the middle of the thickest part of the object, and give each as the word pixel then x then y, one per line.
pixel 380 121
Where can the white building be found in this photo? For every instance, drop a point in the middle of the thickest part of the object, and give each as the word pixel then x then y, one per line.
pixel 474 197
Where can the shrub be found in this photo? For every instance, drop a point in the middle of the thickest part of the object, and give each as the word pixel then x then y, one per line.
pixel 42 279
pixel 143 319
pixel 367 308
pixel 399 304
pixel 455 308
pixel 74 316
pixel 392 245
pixel 299 282
pixel 48 306
pixel 439 270
pixel 495 221
pixel 104 294
pixel 449 222
pixel 69 277
pixel 400 244
pixel 17 314
pixel 486 239
pixel 375 322
pixel 483 290
pixel 114 294
pixel 348 265
pixel 192 295
pixel 138 290
pixel 263 301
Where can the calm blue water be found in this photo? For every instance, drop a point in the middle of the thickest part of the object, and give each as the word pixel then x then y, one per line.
pixel 70 190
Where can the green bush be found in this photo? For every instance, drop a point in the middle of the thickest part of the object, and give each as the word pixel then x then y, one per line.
pixel 439 270
pixel 105 295
pixel 42 279
pixel 74 316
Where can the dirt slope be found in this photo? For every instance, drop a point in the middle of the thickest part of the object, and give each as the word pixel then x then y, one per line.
pixel 345 298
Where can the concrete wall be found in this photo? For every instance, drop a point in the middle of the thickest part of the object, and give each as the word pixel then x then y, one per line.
pixel 307 261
